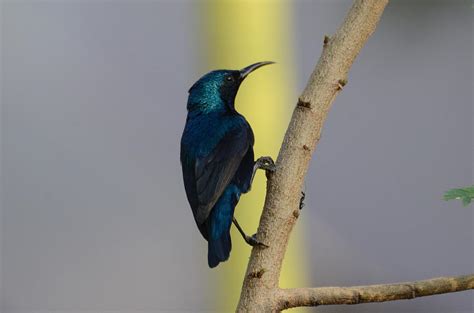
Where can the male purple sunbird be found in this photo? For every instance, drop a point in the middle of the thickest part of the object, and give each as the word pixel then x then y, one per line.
pixel 217 158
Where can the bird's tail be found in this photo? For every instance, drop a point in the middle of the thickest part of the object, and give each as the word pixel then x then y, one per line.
pixel 219 222
pixel 218 250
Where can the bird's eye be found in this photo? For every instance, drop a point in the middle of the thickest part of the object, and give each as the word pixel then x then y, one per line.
pixel 229 78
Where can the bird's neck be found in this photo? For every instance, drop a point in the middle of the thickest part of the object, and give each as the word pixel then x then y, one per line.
pixel 210 102
pixel 211 107
pixel 199 114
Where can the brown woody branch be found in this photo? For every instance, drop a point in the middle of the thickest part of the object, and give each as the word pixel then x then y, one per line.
pixel 260 290
pixel 290 298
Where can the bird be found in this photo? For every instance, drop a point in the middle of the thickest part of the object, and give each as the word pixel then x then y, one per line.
pixel 217 158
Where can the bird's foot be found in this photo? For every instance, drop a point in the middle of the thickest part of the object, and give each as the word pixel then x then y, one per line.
pixel 253 241
pixel 265 163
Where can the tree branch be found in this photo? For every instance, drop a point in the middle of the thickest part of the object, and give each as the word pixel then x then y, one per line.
pixel 284 185
pixel 260 291
pixel 290 298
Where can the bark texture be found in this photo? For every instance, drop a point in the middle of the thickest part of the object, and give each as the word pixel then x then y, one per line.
pixel 260 291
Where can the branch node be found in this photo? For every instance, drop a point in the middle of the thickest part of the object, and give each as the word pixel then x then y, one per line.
pixel 413 290
pixel 296 213
pixel 257 274
pixel 306 148
pixel 303 196
pixel 326 40
pixel 303 104
pixel 341 83
pixel 284 305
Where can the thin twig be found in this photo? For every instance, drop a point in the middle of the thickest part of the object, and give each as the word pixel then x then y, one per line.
pixel 290 298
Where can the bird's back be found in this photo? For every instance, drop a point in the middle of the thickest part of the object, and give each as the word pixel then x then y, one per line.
pixel 213 147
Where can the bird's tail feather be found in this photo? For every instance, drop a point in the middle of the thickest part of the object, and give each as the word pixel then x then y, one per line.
pixel 219 250
pixel 219 222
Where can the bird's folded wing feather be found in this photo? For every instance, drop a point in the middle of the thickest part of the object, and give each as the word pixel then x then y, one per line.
pixel 215 171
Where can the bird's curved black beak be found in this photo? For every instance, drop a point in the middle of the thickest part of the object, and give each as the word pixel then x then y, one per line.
pixel 249 69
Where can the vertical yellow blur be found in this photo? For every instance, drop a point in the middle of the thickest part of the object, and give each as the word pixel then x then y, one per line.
pixel 237 33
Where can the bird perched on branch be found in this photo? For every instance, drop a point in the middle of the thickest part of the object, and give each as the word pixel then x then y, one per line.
pixel 217 158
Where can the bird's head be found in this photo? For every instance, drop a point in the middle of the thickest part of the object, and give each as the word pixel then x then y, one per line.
pixel 216 90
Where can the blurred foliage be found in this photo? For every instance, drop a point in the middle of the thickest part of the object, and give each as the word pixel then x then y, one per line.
pixel 466 194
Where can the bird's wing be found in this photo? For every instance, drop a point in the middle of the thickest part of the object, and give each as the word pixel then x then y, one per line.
pixel 215 171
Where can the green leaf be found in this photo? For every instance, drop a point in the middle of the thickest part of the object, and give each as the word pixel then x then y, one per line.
pixel 466 201
pixel 466 194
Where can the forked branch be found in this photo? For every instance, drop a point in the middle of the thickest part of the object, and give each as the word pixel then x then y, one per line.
pixel 260 290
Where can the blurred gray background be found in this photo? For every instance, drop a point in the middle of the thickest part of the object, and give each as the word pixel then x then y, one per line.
pixel 93 212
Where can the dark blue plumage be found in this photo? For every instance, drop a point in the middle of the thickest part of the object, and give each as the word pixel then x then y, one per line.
pixel 217 156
